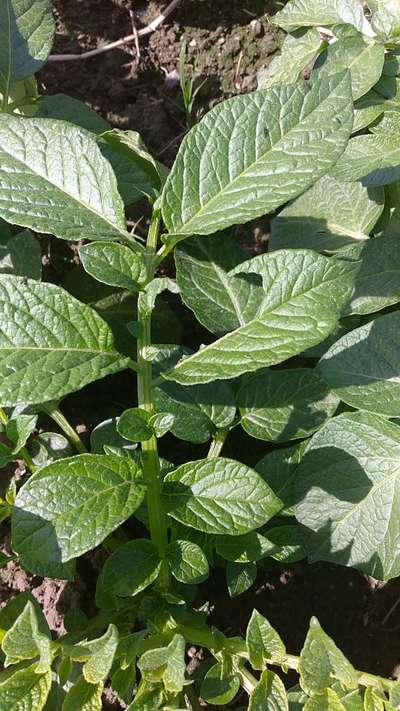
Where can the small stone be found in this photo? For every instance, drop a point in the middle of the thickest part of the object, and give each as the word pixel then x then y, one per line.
pixel 256 27
pixel 192 43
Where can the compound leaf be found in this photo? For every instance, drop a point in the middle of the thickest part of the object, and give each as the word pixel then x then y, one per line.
pixel 219 496
pixel 263 642
pixel 347 486
pixel 25 690
pixel 304 294
pixel 269 694
pixel 111 263
pixel 242 160
pixel 328 216
pixel 187 562
pixel 311 13
pixel 321 662
pixel 130 569
pixel 281 405
pixel 50 343
pixel 363 366
pixel 54 179
pixel 26 36
pixel 70 506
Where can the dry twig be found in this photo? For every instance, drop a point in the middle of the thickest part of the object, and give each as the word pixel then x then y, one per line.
pixel 121 42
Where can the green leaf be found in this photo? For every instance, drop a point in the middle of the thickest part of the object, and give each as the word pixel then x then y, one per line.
pixel 321 662
pixel 111 263
pixel 26 690
pixel 83 696
pixel 374 158
pixel 219 686
pixel 373 702
pixel 50 343
pixel 363 366
pixel 269 694
pixel 240 577
pixel 14 608
pixel 187 562
pixel 29 637
pixel 70 506
pixel 161 423
pixel 241 160
pixel 220 301
pixel 244 549
pixel 19 429
pixel 330 215
pixel 20 254
pixel 82 200
pixel 288 543
pixel 280 405
pixel 106 434
pixel 138 173
pixel 347 487
pixel 219 496
pixel 386 20
pixel 130 569
pixel 26 36
pixel 49 446
pixel 148 698
pixel 394 694
pixel 327 700
pixel 66 108
pixel 297 51
pixel 304 294
pixel 97 668
pixel 279 468
pixel 311 13
pixel 166 663
pixel 377 284
pixel 364 60
pixel 263 642
pixel 133 425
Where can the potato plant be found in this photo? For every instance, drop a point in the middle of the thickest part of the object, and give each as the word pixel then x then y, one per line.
pixel 303 351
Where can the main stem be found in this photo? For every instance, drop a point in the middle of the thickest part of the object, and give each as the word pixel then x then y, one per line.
pixel 151 462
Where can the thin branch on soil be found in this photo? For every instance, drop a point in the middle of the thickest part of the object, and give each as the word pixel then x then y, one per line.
pixel 121 42
pixel 391 611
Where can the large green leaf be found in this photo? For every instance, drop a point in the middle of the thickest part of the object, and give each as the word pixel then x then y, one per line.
pixel 280 405
pixel 219 496
pixel 300 13
pixel 243 160
pixel 50 343
pixel 378 280
pixel 70 506
pixel 304 294
pixel 26 36
pixel 102 651
pixel 363 367
pixel 297 51
pixel 269 694
pixel 348 489
pixel 329 215
pixel 26 690
pixel 363 59
pixel 220 301
pixel 321 662
pixel 66 108
pixel 54 179
pixel 279 468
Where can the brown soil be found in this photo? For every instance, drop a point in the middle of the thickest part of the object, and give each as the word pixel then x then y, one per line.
pixel 229 40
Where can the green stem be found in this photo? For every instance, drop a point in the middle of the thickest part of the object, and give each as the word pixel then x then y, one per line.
pixel 65 426
pixel 217 443
pixel 151 462
pixel 23 452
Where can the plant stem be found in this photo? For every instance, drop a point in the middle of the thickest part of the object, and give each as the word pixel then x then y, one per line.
pixel 151 462
pixel 65 426
pixel 217 443
pixel 23 452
